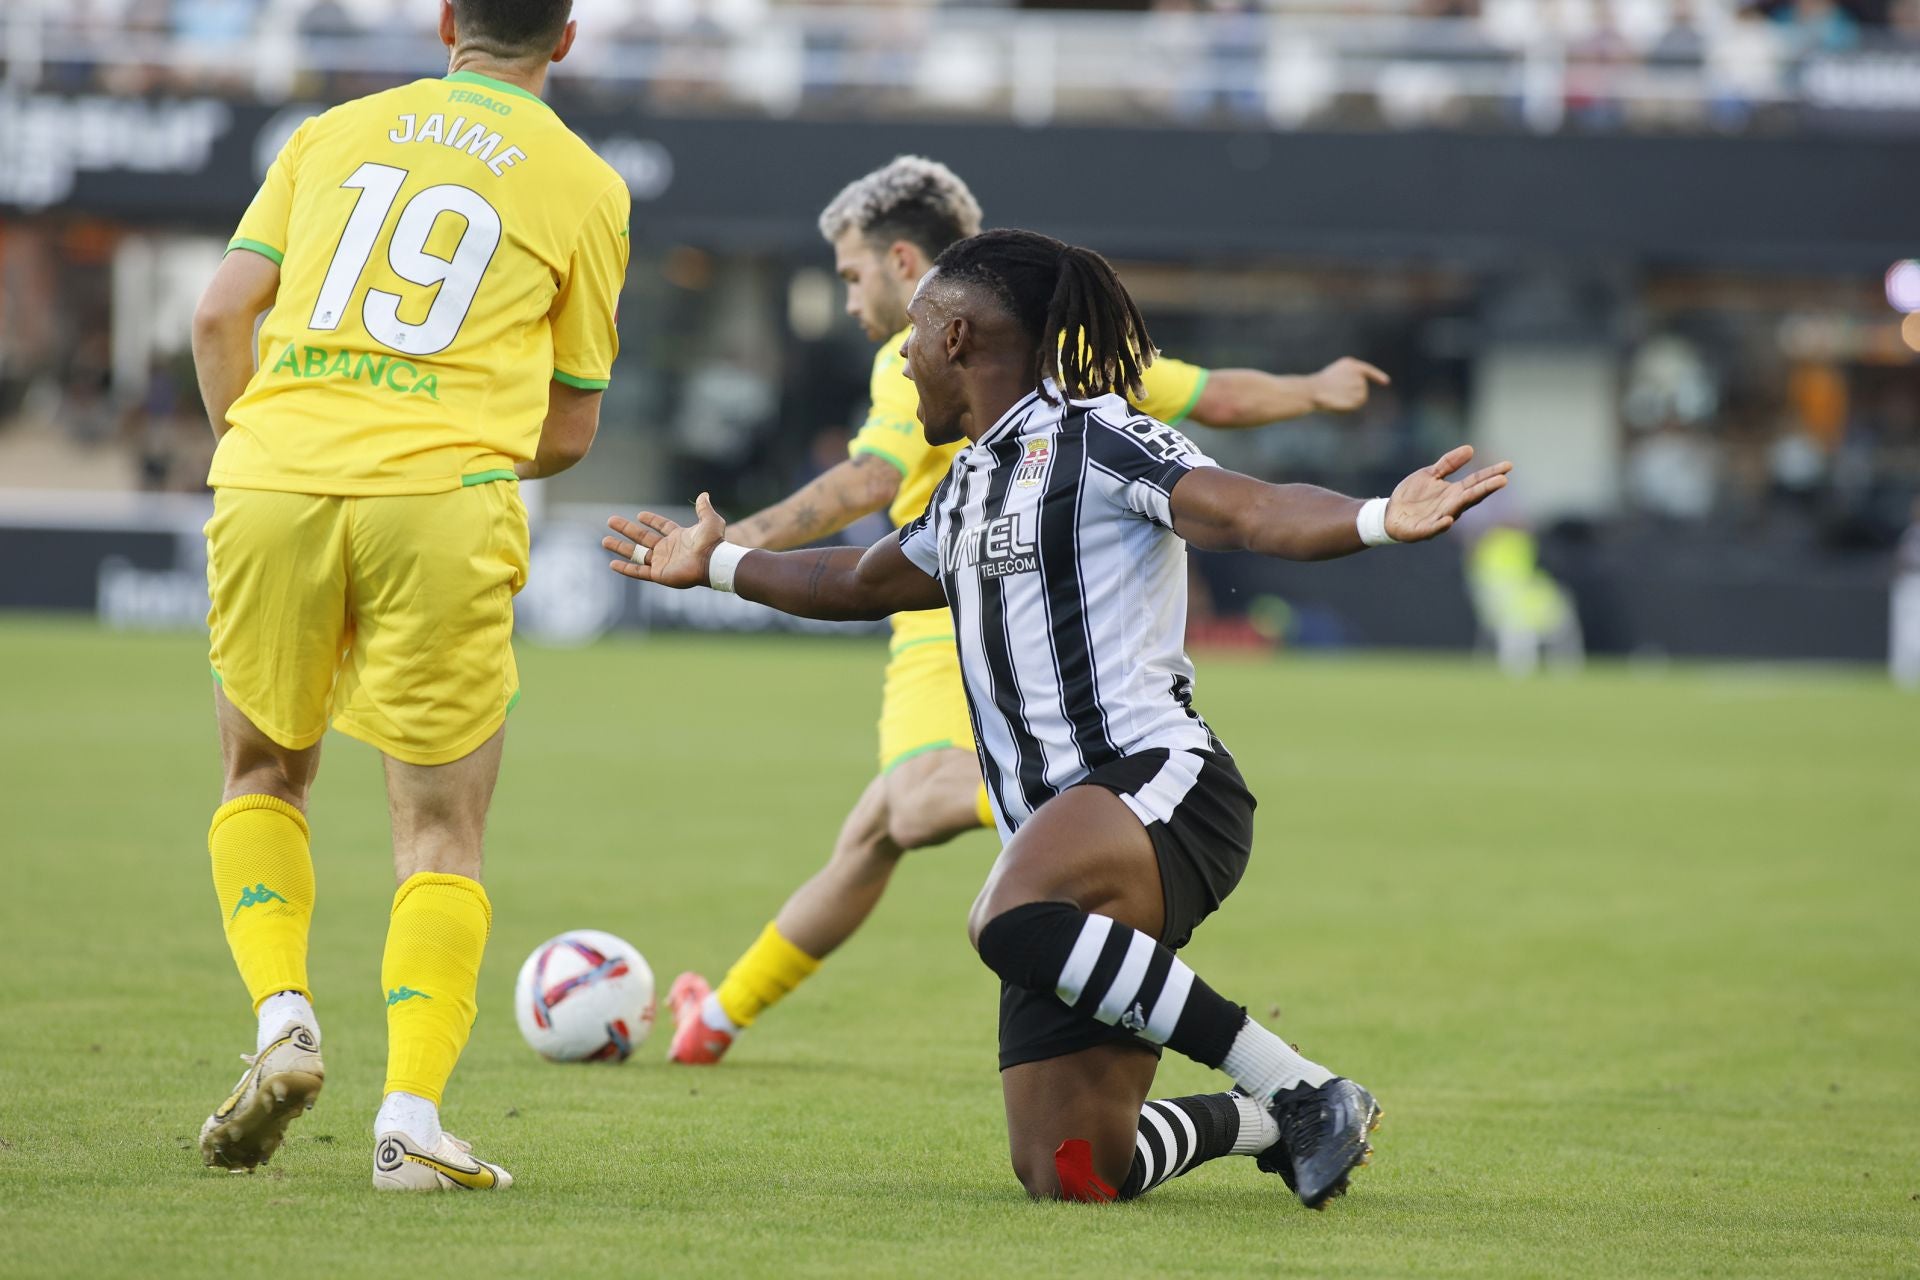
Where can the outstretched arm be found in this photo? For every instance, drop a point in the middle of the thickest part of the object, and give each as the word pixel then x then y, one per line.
pixel 1219 510
pixel 1253 398
pixel 861 485
pixel 832 583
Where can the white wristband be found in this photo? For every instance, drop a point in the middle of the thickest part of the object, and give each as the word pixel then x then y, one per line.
pixel 1372 523
pixel 726 558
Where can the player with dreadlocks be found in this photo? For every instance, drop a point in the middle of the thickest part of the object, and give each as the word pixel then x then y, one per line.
pixel 886 228
pixel 1059 542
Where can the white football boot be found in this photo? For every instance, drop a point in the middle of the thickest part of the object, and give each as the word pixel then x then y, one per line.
pixel 280 1085
pixel 401 1164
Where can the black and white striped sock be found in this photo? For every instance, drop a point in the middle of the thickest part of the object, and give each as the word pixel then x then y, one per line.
pixel 1113 974
pixel 1179 1134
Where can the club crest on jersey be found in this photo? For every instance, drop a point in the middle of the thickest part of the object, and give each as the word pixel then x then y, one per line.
pixel 1032 470
pixel 997 548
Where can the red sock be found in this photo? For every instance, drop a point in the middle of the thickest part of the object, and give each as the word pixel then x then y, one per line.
pixel 1073 1162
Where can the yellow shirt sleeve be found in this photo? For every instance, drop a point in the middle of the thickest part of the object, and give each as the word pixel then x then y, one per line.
pixel 1172 388
pixel 263 228
pixel 585 340
pixel 892 429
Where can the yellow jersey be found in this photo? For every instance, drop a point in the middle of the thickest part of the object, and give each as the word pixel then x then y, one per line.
pixel 445 249
pixel 892 431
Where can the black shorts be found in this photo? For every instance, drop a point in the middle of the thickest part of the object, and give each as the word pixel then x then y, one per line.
pixel 1199 814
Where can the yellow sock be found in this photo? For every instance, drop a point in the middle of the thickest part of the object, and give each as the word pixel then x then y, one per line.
pixel 983 806
pixel 431 971
pixel 763 976
pixel 263 875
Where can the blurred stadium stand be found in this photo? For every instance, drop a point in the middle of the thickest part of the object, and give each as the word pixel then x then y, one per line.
pixel 1642 246
pixel 1539 65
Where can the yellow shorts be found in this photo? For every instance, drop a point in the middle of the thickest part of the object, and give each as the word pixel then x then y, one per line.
pixel 391 615
pixel 924 705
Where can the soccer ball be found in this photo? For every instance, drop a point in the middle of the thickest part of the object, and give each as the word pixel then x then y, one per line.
pixel 584 996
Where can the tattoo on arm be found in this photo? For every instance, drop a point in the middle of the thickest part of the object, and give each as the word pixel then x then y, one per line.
pixel 813 579
pixel 828 503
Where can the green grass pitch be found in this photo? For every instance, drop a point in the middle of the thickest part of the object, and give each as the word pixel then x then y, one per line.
pixel 1632 960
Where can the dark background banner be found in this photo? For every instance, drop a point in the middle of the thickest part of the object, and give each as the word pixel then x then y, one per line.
pixel 1800 202
pixel 1633 599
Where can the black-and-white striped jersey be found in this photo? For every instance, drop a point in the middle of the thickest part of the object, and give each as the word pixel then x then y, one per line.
pixel 1053 537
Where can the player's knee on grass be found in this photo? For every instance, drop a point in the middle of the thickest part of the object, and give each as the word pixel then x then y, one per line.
pixel 1073 1120
pixel 1036 1171
pixel 1075 1169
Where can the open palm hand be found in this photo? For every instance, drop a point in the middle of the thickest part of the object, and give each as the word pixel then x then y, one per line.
pixel 1426 503
pixel 655 549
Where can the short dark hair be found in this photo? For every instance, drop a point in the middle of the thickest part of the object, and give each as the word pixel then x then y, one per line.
pixel 1090 335
pixel 512 29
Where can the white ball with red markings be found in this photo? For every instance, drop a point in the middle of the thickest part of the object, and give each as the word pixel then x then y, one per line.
pixel 584 996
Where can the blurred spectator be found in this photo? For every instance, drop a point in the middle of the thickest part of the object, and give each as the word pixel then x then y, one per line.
pixel 1743 68
pixel 1236 53
pixel 86 407
pixel 1597 60
pixel 1527 616
pixel 1820 24
pixel 1672 464
pixel 214 22
pixel 1599 63
pixel 327 18
pixel 1796 465
pixel 1903 641
pixel 171 434
pixel 214 38
pixel 1673 472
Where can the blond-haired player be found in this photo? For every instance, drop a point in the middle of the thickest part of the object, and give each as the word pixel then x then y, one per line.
pixel 886 229
pixel 440 266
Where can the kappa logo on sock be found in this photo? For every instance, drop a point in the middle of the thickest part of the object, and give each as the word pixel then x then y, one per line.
pixel 254 897
pixel 1134 1019
pixel 398 994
